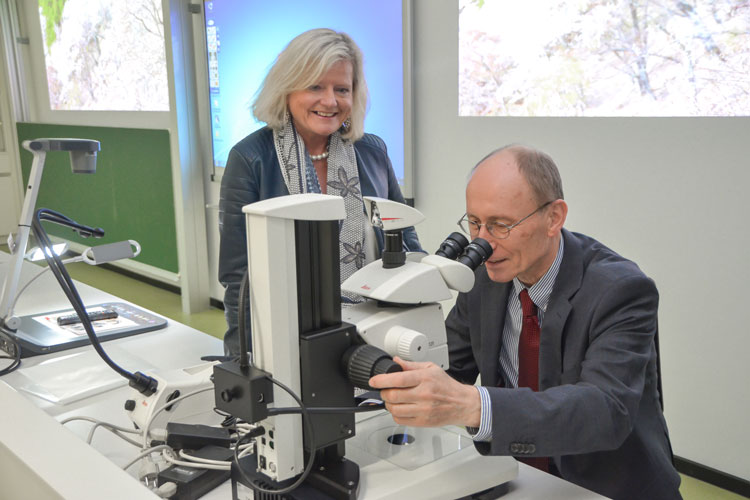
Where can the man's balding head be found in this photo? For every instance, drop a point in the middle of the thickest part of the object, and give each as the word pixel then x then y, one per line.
pixel 537 167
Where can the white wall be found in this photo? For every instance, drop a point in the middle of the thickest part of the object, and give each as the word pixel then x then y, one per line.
pixel 667 193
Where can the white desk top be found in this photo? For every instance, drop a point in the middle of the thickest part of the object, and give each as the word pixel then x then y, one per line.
pixel 177 346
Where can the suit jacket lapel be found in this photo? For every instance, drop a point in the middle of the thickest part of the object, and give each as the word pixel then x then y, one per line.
pixel 566 285
pixel 493 308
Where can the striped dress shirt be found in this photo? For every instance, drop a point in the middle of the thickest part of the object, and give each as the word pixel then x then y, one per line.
pixel 540 293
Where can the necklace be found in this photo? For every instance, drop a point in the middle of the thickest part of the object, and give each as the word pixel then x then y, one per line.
pixel 324 154
pixel 321 156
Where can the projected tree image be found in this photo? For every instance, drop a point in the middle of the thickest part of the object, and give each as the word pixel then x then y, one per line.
pixel 604 58
pixel 105 54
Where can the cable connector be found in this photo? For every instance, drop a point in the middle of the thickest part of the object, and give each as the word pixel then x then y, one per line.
pixel 143 383
pixel 158 436
pixel 166 490
pixel 257 431
pixel 148 473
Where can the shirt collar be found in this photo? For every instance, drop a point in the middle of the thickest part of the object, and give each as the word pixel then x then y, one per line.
pixel 542 289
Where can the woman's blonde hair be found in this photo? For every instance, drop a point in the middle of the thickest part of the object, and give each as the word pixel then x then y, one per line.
pixel 303 63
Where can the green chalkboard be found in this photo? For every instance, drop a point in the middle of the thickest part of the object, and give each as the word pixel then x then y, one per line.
pixel 130 195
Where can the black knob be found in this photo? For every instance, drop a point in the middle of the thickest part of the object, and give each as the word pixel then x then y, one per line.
pixel 129 405
pixel 364 361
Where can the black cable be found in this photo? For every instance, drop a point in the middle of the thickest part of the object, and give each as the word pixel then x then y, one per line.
pixel 326 409
pixel 244 292
pixel 66 283
pixel 64 220
pixel 16 352
pixel 138 380
pixel 311 458
pixel 81 230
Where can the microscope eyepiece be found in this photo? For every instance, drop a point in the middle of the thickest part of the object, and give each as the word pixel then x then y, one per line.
pixel 475 253
pixel 452 247
pixel 457 247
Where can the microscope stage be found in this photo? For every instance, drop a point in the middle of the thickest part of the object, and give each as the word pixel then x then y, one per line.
pixel 416 462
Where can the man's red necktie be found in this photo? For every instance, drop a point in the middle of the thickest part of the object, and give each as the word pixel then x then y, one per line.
pixel 528 361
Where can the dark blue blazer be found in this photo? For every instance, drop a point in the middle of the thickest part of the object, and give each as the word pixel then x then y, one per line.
pixel 597 412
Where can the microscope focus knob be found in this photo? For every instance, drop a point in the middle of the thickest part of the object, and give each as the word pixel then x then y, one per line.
pixel 361 362
pixel 406 343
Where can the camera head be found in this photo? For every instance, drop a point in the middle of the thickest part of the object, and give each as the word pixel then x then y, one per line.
pixel 82 151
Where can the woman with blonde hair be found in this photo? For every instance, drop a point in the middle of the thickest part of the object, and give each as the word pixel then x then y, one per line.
pixel 313 101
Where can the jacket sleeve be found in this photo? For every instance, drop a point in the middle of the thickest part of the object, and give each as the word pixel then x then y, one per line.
pixel 597 407
pixel 239 187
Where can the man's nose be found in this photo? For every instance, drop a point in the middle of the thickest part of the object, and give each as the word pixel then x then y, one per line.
pixel 485 235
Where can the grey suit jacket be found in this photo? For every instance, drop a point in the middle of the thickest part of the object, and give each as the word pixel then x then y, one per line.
pixel 597 412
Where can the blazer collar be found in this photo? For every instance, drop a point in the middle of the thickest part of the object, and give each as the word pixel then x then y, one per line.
pixel 566 285
pixel 494 300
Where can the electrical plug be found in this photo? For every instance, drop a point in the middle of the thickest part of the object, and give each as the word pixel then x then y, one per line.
pixel 148 473
pixel 166 490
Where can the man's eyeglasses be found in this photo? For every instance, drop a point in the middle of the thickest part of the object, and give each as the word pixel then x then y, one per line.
pixel 496 229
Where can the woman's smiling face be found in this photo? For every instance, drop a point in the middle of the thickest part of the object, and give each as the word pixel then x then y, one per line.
pixel 320 109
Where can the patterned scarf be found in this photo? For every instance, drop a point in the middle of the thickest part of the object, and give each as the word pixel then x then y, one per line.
pixel 343 180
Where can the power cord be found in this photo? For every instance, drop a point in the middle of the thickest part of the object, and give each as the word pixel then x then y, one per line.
pixel 213 464
pixel 168 404
pixel 193 461
pixel 114 429
pixel 144 454
pixel 327 409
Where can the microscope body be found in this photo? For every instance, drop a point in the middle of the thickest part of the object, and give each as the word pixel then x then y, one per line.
pixel 401 313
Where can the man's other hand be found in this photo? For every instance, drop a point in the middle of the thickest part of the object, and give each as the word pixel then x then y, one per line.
pixel 423 395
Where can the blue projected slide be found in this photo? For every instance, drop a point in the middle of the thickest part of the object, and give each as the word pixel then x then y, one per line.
pixel 245 36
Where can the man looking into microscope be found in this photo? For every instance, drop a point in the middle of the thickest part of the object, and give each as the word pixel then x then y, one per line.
pixel 561 330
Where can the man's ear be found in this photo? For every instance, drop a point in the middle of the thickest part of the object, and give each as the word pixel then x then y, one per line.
pixel 556 214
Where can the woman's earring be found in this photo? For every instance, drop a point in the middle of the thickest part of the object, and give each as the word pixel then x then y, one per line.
pixel 347 124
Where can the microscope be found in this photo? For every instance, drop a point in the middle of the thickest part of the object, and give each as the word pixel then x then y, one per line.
pixel 402 313
pixel 309 354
